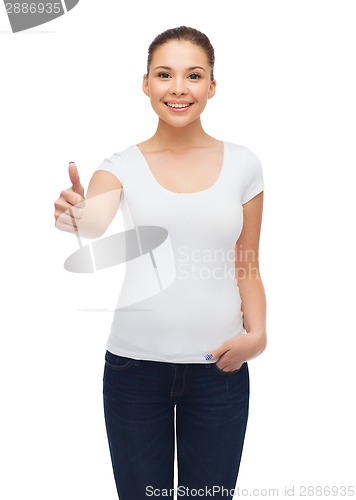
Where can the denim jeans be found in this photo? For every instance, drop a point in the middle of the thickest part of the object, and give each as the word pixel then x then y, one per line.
pixel 147 403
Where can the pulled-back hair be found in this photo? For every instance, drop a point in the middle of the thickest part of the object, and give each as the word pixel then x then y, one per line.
pixel 185 34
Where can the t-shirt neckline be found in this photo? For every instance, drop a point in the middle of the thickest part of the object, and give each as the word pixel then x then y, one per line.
pixel 208 189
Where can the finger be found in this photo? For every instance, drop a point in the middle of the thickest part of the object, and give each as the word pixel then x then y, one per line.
pixel 75 212
pixel 70 197
pixel 66 226
pixel 215 354
pixel 74 177
pixel 68 217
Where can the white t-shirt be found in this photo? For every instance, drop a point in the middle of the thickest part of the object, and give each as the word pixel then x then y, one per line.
pixel 201 308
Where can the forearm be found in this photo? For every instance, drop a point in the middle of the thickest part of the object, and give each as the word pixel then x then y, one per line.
pixel 253 306
pixel 97 214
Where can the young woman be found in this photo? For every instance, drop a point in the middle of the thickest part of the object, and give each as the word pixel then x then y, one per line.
pixel 185 348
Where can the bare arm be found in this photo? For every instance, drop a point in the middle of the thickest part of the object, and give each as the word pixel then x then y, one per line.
pixel 240 348
pixel 102 201
pixel 248 273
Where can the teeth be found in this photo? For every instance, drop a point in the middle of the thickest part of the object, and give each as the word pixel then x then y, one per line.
pixel 176 105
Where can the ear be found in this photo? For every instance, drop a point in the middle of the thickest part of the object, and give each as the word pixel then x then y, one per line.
pixel 212 89
pixel 145 87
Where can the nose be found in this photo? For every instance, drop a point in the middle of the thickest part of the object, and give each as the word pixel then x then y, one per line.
pixel 178 87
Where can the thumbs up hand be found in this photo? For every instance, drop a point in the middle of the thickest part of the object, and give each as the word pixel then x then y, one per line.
pixel 70 202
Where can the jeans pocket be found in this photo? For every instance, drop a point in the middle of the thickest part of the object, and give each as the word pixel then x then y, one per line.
pixel 116 362
pixel 226 373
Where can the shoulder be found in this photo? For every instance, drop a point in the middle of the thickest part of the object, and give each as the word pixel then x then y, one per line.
pixel 240 150
pixel 247 170
pixel 121 156
pixel 122 159
pixel 243 157
pixel 119 162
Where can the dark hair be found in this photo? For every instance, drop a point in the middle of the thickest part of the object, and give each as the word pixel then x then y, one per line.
pixel 186 34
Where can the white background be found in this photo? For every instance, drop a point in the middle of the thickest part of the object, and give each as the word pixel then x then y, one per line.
pixel 71 91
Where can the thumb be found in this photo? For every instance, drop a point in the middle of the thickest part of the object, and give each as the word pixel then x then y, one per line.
pixel 74 177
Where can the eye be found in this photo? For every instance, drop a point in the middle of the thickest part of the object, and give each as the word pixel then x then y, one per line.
pixel 163 75
pixel 194 76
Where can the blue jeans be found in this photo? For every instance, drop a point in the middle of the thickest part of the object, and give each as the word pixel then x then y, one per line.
pixel 210 423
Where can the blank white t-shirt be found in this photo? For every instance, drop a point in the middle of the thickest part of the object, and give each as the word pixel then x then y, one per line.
pixel 202 307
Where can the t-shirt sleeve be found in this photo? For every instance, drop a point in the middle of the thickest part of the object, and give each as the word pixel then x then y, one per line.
pixel 254 177
pixel 112 165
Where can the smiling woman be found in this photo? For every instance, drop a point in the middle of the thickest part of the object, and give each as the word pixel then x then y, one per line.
pixel 186 347
pixel 184 87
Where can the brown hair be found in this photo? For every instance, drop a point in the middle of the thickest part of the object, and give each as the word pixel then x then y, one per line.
pixel 186 34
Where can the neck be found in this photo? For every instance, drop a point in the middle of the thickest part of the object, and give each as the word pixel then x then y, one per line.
pixel 176 138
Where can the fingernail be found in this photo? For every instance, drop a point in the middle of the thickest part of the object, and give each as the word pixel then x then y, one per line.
pixel 71 162
pixel 208 356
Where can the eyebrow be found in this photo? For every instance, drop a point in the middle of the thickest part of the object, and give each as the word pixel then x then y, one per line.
pixel 169 69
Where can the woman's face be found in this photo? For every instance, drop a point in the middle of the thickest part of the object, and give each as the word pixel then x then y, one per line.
pixel 179 82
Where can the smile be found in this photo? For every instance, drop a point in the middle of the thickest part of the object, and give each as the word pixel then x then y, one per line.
pixel 178 105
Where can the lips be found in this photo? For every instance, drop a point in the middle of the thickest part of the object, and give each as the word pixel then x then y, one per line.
pixel 178 106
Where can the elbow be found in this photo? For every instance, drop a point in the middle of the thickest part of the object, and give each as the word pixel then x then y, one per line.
pixel 263 344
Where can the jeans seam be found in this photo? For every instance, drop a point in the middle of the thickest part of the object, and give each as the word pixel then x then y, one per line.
pixel 120 367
